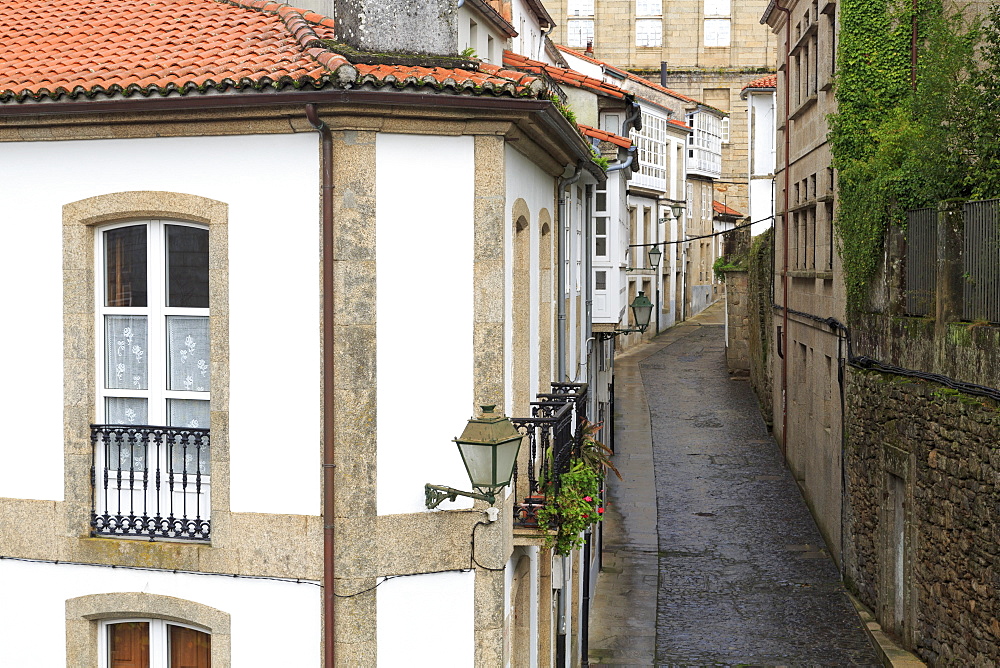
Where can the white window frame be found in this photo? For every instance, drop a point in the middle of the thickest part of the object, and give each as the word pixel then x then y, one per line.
pixel 156 312
pixel 649 32
pixel 159 646
pixel 651 143
pixel 649 7
pixel 718 32
pixel 717 8
pixel 725 129
pixel 580 8
pixel 579 32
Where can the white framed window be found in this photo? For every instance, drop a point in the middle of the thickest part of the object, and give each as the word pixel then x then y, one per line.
pixel 717 8
pixel 651 142
pixel 152 312
pixel 601 236
pixel 716 32
pixel 580 32
pixel 649 7
pixel 152 643
pixel 581 8
pixel 648 32
pixel 153 379
pixel 600 280
pixel 725 130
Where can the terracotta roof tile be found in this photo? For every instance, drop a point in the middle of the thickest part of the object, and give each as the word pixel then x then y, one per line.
pixel 51 49
pixel 724 210
pixel 769 81
pixel 564 76
pixel 605 136
pixel 674 121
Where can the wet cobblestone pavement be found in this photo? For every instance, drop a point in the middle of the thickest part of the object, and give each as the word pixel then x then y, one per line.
pixel 742 575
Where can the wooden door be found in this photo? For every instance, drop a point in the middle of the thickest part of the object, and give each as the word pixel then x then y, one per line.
pixel 129 644
pixel 189 648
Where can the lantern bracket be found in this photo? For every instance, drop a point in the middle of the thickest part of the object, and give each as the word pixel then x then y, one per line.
pixel 434 495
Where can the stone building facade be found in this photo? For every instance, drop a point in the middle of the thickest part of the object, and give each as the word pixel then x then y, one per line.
pixel 706 49
pixel 807 353
pixel 240 468
pixel 921 517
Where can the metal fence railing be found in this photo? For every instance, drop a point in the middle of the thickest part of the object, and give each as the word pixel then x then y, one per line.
pixel 552 434
pixel 921 261
pixel 981 257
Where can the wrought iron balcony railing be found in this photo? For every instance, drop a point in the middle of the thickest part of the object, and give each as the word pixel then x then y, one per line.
pixel 151 482
pixel 553 435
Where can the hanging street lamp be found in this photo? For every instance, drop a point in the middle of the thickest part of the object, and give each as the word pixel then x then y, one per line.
pixel 654 256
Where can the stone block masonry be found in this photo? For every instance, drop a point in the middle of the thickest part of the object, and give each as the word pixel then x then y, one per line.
pixel 922 515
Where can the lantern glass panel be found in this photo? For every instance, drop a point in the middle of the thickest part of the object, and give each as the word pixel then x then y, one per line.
pixel 654 256
pixel 478 462
pixel 506 456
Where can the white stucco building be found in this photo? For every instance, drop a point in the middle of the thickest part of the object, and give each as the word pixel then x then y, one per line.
pixel 273 282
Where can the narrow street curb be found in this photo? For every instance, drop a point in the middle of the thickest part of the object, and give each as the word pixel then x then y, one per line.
pixel 891 654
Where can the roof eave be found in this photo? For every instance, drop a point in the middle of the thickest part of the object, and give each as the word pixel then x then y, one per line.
pixel 491 15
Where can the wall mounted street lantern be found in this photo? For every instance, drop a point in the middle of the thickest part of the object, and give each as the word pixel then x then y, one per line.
pixel 489 447
pixel 676 209
pixel 654 256
pixel 642 310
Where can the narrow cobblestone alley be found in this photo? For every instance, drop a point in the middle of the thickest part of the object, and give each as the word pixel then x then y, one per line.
pixel 710 554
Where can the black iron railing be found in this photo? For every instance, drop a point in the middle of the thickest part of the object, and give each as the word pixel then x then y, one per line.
pixel 552 438
pixel 151 482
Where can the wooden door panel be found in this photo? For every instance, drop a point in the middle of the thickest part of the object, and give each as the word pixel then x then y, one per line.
pixel 129 644
pixel 189 648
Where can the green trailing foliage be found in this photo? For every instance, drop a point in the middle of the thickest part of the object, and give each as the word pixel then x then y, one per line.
pixel 723 264
pixel 573 508
pixel 563 108
pixel 577 504
pixel 897 147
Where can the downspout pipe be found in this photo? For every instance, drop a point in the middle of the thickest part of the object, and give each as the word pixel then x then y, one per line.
pixel 784 236
pixel 622 165
pixel 563 219
pixel 329 462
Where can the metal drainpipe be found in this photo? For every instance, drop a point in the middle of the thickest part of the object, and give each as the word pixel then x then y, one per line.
pixel 622 165
pixel 561 273
pixel 784 234
pixel 329 465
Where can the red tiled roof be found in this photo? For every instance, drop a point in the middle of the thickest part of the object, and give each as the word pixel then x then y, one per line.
pixel 563 75
pixel 674 121
pixel 489 78
pixel 604 136
pixel 724 210
pixel 769 81
pixel 55 48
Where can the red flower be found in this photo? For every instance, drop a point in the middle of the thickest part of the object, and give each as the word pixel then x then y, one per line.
pixel 586 516
pixel 587 499
pixel 600 511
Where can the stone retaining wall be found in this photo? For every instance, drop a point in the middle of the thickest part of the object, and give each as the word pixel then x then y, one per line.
pixel 760 275
pixel 923 468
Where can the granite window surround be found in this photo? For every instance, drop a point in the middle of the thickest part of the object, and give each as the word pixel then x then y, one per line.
pixel 80 219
